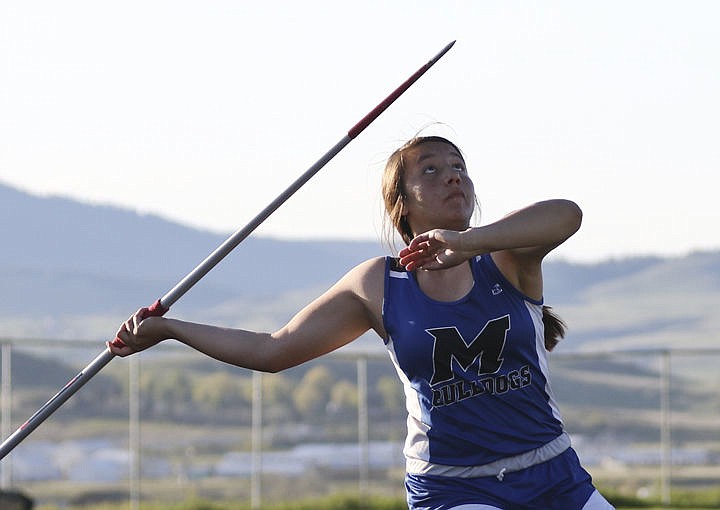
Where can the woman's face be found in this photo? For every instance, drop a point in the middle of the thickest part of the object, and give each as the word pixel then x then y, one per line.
pixel 438 190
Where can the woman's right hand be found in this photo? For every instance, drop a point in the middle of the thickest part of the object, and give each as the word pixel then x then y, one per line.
pixel 137 333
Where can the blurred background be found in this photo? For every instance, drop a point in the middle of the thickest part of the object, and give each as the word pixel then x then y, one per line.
pixel 134 137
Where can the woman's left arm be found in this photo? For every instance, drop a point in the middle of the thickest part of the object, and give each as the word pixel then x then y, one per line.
pixel 553 222
pixel 526 235
pixel 536 230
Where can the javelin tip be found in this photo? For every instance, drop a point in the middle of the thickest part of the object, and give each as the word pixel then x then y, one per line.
pixel 442 52
pixel 357 128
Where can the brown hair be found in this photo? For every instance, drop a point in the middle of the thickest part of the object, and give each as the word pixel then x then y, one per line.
pixel 393 187
pixel 554 327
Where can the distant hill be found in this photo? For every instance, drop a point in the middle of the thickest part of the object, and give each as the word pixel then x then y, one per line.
pixel 74 270
pixel 63 258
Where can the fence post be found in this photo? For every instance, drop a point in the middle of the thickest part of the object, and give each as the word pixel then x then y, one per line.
pixel 134 430
pixel 665 429
pixel 256 476
pixel 6 410
pixel 363 434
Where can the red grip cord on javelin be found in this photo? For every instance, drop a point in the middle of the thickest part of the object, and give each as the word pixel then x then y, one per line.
pixel 157 309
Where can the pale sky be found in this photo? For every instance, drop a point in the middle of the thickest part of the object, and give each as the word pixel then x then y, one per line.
pixel 204 112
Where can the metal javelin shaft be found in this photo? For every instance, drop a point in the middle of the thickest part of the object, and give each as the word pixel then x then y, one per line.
pixel 162 305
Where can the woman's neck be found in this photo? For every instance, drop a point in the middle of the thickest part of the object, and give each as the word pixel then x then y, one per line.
pixel 449 284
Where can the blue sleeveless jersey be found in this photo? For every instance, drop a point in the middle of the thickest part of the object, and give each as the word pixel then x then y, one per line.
pixel 474 370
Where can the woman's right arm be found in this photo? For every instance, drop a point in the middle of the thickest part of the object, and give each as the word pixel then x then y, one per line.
pixel 340 315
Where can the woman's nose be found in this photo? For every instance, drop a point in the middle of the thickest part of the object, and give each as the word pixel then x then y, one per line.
pixel 452 174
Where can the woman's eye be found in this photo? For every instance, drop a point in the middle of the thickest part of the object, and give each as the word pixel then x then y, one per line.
pixel 458 167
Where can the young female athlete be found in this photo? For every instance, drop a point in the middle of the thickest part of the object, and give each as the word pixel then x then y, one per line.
pixel 462 317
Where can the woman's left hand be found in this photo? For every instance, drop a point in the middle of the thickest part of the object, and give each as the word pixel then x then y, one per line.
pixel 435 249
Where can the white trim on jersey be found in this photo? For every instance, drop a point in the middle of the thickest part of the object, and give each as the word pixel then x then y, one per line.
pixel 416 442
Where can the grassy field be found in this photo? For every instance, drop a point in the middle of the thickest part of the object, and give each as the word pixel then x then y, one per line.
pixel 693 487
pixel 705 499
pixel 711 500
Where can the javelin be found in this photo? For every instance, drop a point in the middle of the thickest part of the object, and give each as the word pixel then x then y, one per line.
pixel 162 305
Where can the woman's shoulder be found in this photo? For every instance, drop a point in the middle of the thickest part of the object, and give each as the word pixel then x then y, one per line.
pixel 366 282
pixel 364 272
pixel 370 268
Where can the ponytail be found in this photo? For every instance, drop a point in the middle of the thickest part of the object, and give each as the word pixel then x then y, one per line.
pixel 554 327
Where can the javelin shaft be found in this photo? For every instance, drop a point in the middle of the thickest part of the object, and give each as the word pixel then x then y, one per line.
pixel 231 242
pixel 55 402
pixel 163 304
